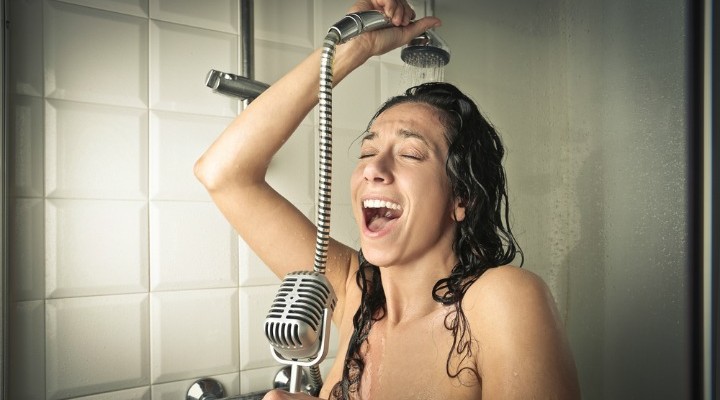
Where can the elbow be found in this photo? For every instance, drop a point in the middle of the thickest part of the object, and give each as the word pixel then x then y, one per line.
pixel 218 176
pixel 203 173
pixel 222 173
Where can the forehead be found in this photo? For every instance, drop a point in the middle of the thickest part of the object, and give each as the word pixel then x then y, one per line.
pixel 419 118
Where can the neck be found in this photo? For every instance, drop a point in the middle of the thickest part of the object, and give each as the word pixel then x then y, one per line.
pixel 409 288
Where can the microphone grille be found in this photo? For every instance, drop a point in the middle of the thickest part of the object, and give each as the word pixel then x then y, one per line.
pixel 294 321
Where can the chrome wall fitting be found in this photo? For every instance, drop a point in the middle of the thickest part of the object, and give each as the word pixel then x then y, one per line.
pixel 205 389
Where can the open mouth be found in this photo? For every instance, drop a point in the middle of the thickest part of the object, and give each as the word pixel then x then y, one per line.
pixel 378 213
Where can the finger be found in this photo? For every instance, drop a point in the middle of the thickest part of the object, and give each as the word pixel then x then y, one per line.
pixel 390 8
pixel 409 16
pixel 403 13
pixel 395 10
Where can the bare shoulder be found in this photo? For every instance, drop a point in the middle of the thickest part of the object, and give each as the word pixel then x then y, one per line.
pixel 505 285
pixel 507 298
pixel 520 337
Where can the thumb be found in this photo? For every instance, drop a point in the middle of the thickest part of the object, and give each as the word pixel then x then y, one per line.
pixel 416 28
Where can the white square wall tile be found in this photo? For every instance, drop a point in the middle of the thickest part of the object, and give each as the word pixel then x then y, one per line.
pixel 88 352
pixel 25 167
pixel 219 15
pixel 95 151
pixel 138 8
pixel 27 350
pixel 179 389
pixel 140 393
pixel 180 59
pixel 25 59
pixel 255 302
pixel 176 142
pixel 292 170
pixel 194 333
pixel 356 98
pixel 192 246
pixel 26 249
pixel 285 21
pixel 95 247
pixel 95 56
pixel 273 60
pixel 258 379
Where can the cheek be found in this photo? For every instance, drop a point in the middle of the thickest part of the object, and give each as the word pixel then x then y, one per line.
pixel 355 179
pixel 437 192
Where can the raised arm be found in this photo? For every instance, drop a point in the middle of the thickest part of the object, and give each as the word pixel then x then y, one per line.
pixel 233 169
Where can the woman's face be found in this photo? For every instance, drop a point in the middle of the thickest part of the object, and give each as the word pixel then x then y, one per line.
pixel 401 194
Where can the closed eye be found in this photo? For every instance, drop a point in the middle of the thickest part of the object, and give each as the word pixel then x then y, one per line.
pixel 412 154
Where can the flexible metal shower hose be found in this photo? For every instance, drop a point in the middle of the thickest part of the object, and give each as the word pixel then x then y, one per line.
pixel 325 152
pixel 324 192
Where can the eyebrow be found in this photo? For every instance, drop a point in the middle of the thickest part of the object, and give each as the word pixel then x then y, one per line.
pixel 404 133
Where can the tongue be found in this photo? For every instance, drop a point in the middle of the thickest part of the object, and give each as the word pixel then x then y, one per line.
pixel 378 223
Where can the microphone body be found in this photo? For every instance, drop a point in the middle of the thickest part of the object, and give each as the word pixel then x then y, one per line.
pixel 298 323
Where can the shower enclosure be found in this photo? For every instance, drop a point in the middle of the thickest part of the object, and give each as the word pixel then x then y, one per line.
pixel 110 247
pixel 605 172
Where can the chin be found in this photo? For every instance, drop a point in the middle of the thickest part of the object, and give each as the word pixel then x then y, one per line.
pixel 377 256
pixel 373 256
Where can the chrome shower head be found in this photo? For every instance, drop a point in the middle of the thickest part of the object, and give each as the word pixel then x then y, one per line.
pixel 426 51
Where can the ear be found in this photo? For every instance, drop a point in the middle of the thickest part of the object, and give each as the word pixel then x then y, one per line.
pixel 458 210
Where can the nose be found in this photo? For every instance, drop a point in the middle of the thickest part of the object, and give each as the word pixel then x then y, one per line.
pixel 378 168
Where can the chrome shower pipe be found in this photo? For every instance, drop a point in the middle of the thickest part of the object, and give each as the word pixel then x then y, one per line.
pixel 429 8
pixel 247 26
pixel 244 85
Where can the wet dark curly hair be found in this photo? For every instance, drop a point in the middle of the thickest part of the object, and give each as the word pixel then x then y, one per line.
pixel 483 239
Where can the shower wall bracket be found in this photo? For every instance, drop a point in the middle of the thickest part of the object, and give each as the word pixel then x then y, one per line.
pixel 234 85
pixel 244 85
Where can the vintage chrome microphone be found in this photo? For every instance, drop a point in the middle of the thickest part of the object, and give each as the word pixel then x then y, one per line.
pixel 298 323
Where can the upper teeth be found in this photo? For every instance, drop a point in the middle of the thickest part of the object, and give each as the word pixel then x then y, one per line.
pixel 380 204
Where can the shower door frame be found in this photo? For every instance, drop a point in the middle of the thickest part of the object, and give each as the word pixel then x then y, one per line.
pixel 711 198
pixel 4 315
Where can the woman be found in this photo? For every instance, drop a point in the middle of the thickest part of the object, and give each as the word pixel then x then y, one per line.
pixel 428 308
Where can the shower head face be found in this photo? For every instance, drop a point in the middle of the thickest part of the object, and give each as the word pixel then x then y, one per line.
pixel 426 51
pixel 425 56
